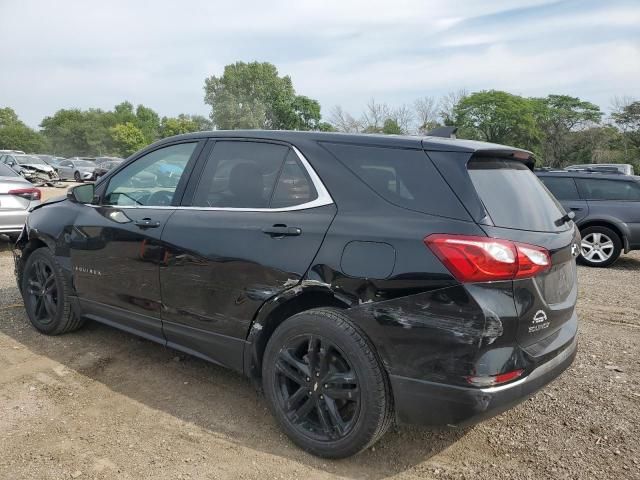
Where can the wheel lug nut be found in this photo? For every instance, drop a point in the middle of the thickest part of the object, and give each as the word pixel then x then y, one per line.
pixel 321 397
pixel 308 379
pixel 326 385
pixel 317 374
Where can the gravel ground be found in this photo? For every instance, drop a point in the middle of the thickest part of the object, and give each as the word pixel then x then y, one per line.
pixel 103 404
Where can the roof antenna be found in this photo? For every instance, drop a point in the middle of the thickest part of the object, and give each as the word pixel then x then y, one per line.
pixel 444 132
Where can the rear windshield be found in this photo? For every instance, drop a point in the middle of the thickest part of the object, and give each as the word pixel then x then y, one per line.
pixel 513 196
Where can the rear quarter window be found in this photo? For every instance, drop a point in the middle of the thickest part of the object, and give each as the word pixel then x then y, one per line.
pixel 403 177
pixel 513 196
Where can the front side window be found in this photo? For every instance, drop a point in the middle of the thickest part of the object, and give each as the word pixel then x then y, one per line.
pixel 562 188
pixel 152 179
pixel 602 189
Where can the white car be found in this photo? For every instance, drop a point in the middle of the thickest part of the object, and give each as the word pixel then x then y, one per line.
pixel 17 196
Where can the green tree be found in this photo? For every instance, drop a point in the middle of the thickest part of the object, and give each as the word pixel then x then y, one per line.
pixel 499 117
pixel 127 138
pixel 391 127
pixel 628 120
pixel 253 95
pixel 15 135
pixel 557 116
pixel 77 132
pixel 183 124
pixel 148 121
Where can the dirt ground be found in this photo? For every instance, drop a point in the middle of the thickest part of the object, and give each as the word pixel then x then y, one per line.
pixel 103 404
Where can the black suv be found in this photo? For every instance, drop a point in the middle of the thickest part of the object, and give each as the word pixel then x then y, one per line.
pixel 606 208
pixel 358 279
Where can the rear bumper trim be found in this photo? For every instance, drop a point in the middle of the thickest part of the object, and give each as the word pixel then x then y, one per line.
pixel 431 403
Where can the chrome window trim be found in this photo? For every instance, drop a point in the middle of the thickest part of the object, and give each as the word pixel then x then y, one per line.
pixel 323 198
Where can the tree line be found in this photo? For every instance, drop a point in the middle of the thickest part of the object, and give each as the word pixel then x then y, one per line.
pixel 559 129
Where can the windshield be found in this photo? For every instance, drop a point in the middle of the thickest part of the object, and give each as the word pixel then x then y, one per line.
pixel 7 172
pixel 513 196
pixel 83 163
pixel 28 160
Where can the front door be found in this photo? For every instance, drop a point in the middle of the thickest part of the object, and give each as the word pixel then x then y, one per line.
pixel 251 230
pixel 115 246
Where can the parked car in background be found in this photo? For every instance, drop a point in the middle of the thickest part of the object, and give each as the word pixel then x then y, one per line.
pixel 77 170
pixel 357 278
pixel 606 209
pixel 11 151
pixel 17 196
pixel 49 159
pixel 31 167
pixel 623 168
pixel 105 164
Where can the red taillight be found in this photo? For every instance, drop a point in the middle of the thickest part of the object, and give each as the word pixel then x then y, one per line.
pixel 483 259
pixel 28 193
pixel 493 380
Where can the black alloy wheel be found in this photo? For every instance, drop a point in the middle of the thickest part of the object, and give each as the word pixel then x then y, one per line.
pixel 46 293
pixel 77 177
pixel 41 296
pixel 317 388
pixel 325 384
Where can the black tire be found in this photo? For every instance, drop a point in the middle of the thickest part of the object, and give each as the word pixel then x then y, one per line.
pixel 46 295
pixel 77 177
pixel 346 405
pixel 593 243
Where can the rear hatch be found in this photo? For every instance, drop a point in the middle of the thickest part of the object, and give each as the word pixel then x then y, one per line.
pixel 512 204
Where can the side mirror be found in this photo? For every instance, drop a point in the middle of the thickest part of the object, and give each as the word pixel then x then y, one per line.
pixel 82 193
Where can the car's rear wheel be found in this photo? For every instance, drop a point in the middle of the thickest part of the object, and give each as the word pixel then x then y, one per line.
pixel 46 295
pixel 325 384
pixel 600 246
pixel 77 177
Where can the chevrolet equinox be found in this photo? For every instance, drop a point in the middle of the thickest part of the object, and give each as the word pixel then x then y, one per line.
pixel 358 279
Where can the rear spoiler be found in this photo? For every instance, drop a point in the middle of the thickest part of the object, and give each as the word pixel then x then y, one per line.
pixel 522 155
pixel 443 132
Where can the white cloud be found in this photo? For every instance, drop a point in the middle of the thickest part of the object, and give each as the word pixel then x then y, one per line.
pixel 96 54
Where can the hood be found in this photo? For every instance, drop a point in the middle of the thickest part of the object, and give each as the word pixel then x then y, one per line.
pixel 38 167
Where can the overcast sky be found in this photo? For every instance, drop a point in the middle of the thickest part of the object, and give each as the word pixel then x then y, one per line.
pixel 64 54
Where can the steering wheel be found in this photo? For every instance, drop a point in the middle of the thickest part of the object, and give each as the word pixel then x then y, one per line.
pixel 160 198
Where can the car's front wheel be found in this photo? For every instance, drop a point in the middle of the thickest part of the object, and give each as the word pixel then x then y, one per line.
pixel 325 384
pixel 46 295
pixel 600 246
pixel 77 177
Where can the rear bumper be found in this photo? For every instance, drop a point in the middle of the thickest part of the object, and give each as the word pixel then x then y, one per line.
pixel 430 403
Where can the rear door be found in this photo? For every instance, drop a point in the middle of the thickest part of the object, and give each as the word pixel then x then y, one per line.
pixel 566 192
pixel 65 169
pixel 617 200
pixel 249 227
pixel 510 202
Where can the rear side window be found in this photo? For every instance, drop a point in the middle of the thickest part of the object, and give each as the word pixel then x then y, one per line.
pixel 513 196
pixel 240 175
pixel 406 178
pixel 294 186
pixel 602 189
pixel 562 188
